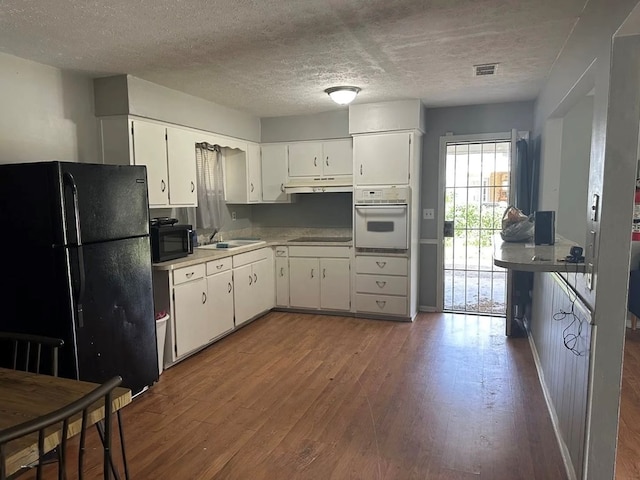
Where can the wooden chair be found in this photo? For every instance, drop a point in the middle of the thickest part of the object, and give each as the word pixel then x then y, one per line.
pixel 61 419
pixel 27 352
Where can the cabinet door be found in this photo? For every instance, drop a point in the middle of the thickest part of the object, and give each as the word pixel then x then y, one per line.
pixel 263 286
pixel 243 301
pixel 282 282
pixel 381 159
pixel 304 282
pixel 335 284
pixel 181 158
pixel 150 149
pixel 220 303
pixel 337 158
pixel 274 173
pixel 192 329
pixel 305 159
pixel 254 172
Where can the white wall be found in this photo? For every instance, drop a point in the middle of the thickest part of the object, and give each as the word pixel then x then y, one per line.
pixel 571 219
pixel 45 113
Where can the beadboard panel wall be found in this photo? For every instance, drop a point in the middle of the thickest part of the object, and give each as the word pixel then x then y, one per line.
pixel 564 373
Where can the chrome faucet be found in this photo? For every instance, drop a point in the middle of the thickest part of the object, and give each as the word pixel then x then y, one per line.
pixel 215 231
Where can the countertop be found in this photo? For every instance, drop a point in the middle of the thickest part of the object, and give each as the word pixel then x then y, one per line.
pixel 201 255
pixel 534 258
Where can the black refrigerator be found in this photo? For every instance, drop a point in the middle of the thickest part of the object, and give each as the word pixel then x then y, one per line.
pixel 75 240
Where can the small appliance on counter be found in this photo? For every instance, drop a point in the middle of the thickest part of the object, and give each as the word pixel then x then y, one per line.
pixel 169 240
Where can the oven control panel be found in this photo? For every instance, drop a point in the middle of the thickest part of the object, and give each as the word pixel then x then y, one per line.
pixel 382 195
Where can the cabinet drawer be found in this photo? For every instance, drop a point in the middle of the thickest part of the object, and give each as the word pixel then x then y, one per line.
pixel 381 284
pixel 320 251
pixel 217 266
pixel 186 274
pixel 280 251
pixel 382 265
pixel 381 304
pixel 251 257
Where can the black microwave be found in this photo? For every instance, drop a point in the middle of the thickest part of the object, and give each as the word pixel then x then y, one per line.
pixel 169 242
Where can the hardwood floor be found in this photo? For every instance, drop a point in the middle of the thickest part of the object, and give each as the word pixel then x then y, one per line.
pixel 628 453
pixel 291 396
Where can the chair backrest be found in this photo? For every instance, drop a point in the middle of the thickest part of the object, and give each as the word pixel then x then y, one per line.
pixel 61 418
pixel 31 353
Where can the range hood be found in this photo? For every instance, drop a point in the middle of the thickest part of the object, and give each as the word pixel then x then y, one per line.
pixel 319 184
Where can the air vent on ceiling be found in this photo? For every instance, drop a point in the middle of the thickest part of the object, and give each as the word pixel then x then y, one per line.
pixel 484 70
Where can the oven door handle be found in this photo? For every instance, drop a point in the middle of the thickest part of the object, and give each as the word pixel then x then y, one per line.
pixel 383 210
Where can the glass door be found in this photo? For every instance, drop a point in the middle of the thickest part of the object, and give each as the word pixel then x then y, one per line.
pixel 477 188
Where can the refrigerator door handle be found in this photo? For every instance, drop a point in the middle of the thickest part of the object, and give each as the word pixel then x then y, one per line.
pixel 70 182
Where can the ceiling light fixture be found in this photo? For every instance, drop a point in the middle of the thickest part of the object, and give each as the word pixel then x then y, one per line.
pixel 342 95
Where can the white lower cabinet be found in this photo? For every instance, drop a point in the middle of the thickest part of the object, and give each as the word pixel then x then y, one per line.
pixel 282 282
pixel 220 303
pixel 382 285
pixel 320 277
pixel 191 323
pixel 253 282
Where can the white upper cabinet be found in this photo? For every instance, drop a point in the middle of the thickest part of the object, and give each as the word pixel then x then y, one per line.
pixel 305 159
pixel 274 173
pixel 337 157
pixel 181 159
pixel 242 173
pixel 150 149
pixel 382 159
pixel 321 159
pixel 168 153
pixel 255 172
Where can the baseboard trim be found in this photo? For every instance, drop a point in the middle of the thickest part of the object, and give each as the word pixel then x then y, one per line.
pixel 564 450
pixel 427 308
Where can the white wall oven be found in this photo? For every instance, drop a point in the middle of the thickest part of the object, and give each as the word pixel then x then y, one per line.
pixel 381 219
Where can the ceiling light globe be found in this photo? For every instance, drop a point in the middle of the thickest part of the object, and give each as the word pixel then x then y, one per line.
pixel 342 95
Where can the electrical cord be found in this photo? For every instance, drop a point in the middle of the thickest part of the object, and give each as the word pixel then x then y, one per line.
pixel 571 334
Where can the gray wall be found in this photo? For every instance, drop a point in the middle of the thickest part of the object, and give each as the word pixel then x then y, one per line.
pixel 320 126
pixel 328 210
pixel 126 94
pixel 45 113
pixel 475 119
pixel 611 175
pixel 571 219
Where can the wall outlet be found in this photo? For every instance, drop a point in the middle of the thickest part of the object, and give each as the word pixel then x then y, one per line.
pixel 233 216
pixel 428 214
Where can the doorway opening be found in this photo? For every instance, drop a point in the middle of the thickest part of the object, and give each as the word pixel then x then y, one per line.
pixel 477 192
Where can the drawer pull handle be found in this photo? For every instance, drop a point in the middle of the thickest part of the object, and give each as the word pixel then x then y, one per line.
pixel 204 297
pixel 360 169
pixel 250 280
pixel 255 278
pixel 381 264
pixel 229 287
pixel 327 161
pixel 282 187
pixel 282 271
pixel 315 161
pixel 380 284
pixel 312 273
pixel 324 273
pixel 163 186
pixel 189 275
pixel 219 266
pixel 193 187
pixel 381 303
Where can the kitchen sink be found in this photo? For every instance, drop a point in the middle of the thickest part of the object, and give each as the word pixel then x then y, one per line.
pixel 232 244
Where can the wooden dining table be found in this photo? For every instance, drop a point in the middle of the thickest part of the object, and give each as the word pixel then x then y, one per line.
pixel 25 396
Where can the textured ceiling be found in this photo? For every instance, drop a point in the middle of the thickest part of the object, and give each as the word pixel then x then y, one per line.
pixel 275 57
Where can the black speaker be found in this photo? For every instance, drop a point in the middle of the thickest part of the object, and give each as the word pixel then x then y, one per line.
pixel 545 228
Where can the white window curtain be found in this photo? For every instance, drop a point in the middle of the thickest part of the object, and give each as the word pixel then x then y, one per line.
pixel 210 186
